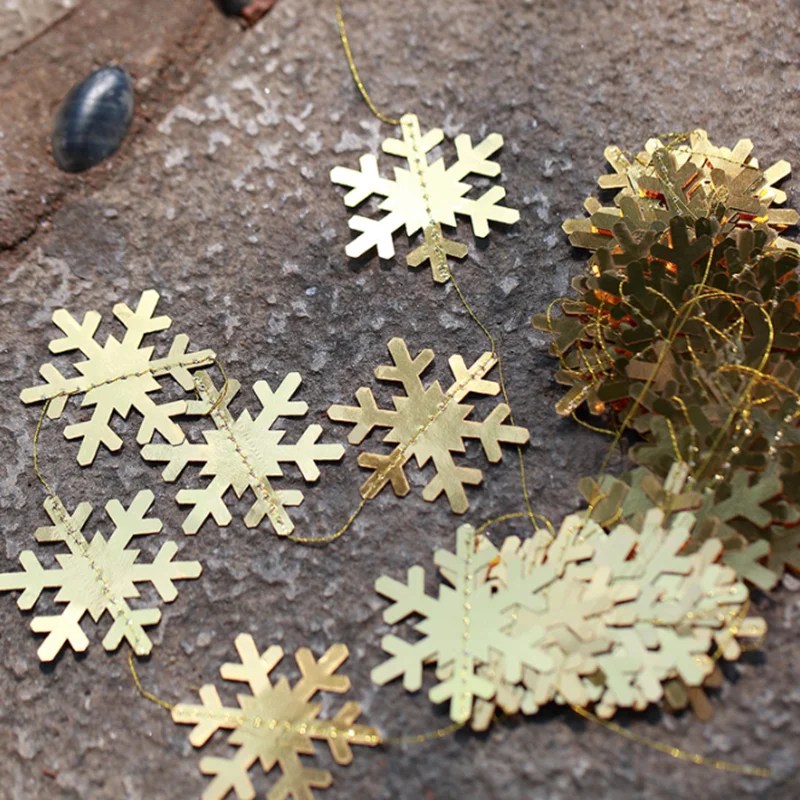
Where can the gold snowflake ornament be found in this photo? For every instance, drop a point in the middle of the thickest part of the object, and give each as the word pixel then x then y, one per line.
pixel 429 424
pixel 245 453
pixel 586 618
pixel 691 177
pixel 276 723
pixel 97 576
pixel 424 197
pixel 117 376
pixel 461 629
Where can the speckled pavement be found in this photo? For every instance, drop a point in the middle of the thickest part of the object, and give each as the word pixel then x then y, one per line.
pixel 221 201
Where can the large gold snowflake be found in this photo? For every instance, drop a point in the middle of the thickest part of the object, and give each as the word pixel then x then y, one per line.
pixel 429 424
pixel 424 197
pixel 276 723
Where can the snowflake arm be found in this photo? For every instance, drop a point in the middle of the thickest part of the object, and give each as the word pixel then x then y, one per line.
pixel 117 376
pixel 32 581
pixel 366 417
pixel 414 144
pixel 364 182
pixel 492 432
pixel 486 209
pixel 98 576
pixel 428 424
pixel 275 724
pixel 244 453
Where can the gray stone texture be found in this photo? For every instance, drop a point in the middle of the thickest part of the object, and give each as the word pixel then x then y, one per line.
pixel 221 200
pixel 23 20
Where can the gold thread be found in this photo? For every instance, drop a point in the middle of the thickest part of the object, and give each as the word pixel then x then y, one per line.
pixel 422 738
pixel 142 691
pixel 492 344
pixel 263 486
pixel 334 536
pixel 733 629
pixel 354 71
pixel 674 752
pixel 154 368
pixel 515 515
pixel 223 391
pixel 591 427
pixel 36 469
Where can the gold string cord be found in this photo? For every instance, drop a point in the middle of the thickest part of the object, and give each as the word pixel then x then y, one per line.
pixel 493 346
pixel 385 741
pixel 142 691
pixel 334 536
pixel 36 469
pixel 674 752
pixel 354 71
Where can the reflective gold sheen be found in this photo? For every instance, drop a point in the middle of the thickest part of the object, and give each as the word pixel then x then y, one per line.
pixel 276 723
pixel 117 376
pixel 98 576
pixel 587 618
pixel 245 453
pixel 430 424
pixel 424 197
pixel 685 175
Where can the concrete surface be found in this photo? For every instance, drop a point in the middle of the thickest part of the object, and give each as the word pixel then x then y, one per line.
pixel 23 20
pixel 221 200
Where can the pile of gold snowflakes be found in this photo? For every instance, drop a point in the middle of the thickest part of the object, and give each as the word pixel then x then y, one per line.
pixel 586 617
pixel 685 328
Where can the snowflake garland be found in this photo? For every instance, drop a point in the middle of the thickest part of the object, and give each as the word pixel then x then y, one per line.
pixel 276 723
pixel 117 376
pixel 244 453
pixel 586 618
pixel 424 197
pixel 685 327
pixel 97 576
pixel 696 179
pixel 430 424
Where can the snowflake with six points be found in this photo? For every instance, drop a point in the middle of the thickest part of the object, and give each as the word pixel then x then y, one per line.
pixel 97 576
pixel 429 423
pixel 276 723
pixel 424 197
pixel 117 376
pixel 245 453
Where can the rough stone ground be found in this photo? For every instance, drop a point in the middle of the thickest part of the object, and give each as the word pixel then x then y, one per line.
pixel 23 20
pixel 221 200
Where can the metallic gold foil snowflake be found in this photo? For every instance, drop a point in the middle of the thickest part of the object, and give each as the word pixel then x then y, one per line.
pixel 117 376
pixel 98 576
pixel 245 453
pixel 429 424
pixel 276 723
pixel 424 197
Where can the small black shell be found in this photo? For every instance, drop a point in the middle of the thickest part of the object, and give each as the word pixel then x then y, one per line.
pixel 92 119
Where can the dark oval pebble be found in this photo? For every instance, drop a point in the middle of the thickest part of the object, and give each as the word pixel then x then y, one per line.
pixel 251 11
pixel 92 119
pixel 233 8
